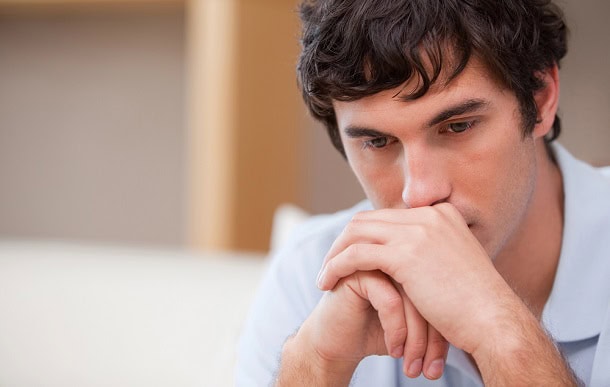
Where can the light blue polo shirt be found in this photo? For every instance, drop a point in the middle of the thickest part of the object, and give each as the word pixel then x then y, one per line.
pixel 577 314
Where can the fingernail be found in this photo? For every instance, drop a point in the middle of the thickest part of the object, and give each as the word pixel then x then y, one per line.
pixel 415 368
pixel 320 279
pixel 398 351
pixel 435 370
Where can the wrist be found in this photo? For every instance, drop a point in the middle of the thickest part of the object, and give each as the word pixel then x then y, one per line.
pixel 506 335
pixel 302 362
pixel 519 352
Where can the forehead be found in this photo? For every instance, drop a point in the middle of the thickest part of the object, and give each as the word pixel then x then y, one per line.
pixel 475 82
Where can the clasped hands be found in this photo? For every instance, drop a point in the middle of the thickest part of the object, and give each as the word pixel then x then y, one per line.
pixel 405 283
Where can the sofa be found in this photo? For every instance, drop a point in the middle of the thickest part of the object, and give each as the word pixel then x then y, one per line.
pixel 100 315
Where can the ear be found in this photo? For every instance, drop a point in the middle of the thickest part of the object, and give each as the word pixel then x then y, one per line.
pixel 547 101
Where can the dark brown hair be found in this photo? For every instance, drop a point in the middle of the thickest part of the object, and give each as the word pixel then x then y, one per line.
pixel 356 48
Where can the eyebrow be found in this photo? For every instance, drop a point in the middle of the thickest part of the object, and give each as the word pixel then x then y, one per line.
pixel 356 131
pixel 468 106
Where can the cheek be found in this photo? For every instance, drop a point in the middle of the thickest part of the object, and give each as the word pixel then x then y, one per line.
pixel 505 187
pixel 382 185
pixel 497 162
pixel 474 177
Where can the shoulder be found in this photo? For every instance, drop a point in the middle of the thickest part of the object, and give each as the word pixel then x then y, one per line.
pixel 605 171
pixel 580 287
pixel 586 211
pixel 584 185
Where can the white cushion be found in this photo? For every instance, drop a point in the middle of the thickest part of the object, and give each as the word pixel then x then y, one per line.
pixel 285 219
pixel 103 316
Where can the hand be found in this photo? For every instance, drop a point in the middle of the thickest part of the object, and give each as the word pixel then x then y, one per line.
pixel 364 314
pixel 434 257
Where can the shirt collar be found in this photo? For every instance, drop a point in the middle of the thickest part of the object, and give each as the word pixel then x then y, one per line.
pixel 580 295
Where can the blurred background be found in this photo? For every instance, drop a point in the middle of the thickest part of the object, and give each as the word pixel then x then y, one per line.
pixel 145 146
pixel 178 124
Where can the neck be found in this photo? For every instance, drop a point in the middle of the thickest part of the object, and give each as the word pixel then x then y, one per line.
pixel 529 261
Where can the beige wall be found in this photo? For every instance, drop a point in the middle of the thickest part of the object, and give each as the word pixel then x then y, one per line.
pixel 101 140
pixel 268 144
pixel 585 81
pixel 91 124
pixel 330 183
pixel 93 131
pixel 244 109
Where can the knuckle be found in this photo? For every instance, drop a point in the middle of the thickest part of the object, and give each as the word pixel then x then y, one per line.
pixel 448 210
pixel 330 266
pixel 398 335
pixel 438 340
pixel 359 250
pixel 437 346
pixel 353 251
pixel 352 226
pixel 392 304
pixel 417 345
pixel 418 232
pixel 444 206
pixel 361 216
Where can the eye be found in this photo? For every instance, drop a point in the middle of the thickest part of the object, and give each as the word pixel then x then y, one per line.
pixel 459 127
pixel 377 142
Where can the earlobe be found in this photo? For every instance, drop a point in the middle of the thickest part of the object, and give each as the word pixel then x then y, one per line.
pixel 547 101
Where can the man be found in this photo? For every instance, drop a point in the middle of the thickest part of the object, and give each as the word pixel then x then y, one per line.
pixel 482 255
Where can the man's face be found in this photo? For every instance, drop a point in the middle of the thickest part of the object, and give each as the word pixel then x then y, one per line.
pixel 460 143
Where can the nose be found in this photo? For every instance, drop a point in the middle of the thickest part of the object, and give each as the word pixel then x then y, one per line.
pixel 425 179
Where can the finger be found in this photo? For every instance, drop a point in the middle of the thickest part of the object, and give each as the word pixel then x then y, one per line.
pixel 411 215
pixel 383 226
pixel 360 231
pixel 394 215
pixel 372 226
pixel 387 301
pixel 450 211
pixel 357 257
pixel 417 339
pixel 436 354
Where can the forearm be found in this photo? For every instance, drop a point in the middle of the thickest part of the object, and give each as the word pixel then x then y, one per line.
pixel 523 355
pixel 301 365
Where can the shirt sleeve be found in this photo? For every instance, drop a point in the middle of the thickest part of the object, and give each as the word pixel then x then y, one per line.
pixel 286 297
